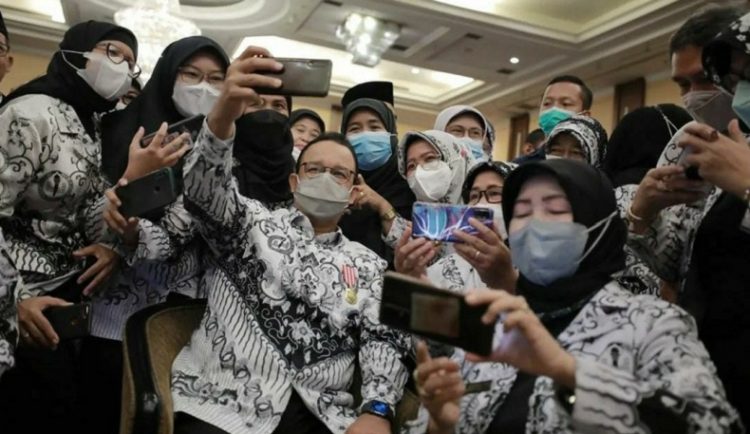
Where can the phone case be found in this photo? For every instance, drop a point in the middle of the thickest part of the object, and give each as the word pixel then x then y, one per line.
pixel 70 322
pixel 301 77
pixel 413 306
pixel 149 193
pixel 437 221
pixel 190 125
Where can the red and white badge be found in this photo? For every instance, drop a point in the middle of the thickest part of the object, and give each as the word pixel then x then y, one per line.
pixel 350 276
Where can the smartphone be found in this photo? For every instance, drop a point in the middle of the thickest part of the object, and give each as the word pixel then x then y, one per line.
pixel 190 125
pixel 149 193
pixel 70 322
pixel 301 77
pixel 691 172
pixel 414 306
pixel 437 221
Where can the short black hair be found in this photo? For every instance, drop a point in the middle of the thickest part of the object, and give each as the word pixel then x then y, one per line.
pixel 703 26
pixel 586 95
pixel 535 137
pixel 330 137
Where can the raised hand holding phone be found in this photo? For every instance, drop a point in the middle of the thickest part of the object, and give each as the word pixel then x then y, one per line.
pixel 158 154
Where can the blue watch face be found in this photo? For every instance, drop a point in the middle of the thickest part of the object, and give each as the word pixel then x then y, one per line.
pixel 380 407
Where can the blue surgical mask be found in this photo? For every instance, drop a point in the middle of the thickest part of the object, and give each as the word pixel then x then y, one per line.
pixel 741 101
pixel 546 251
pixel 477 150
pixel 549 118
pixel 373 148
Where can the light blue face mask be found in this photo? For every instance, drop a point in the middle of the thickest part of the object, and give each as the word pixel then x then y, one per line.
pixel 372 148
pixel 741 101
pixel 548 251
pixel 549 118
pixel 476 147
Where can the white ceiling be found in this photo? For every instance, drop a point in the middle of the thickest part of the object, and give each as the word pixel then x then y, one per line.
pixel 603 41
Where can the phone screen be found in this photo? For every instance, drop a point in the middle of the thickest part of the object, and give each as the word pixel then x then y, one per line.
pixel 435 314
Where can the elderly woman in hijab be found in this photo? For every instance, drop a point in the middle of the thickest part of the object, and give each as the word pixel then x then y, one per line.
pixel 306 125
pixel 572 340
pixel 470 127
pixel 580 138
pixel 370 127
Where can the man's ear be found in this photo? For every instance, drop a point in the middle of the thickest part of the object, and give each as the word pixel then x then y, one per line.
pixel 293 182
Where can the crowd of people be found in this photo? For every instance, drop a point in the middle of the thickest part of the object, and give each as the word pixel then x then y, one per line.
pixel 612 268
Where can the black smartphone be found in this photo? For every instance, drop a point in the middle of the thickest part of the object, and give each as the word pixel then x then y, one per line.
pixel 70 322
pixel 414 306
pixel 190 125
pixel 301 77
pixel 437 221
pixel 149 193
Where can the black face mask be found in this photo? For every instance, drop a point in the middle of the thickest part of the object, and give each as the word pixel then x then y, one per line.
pixel 263 147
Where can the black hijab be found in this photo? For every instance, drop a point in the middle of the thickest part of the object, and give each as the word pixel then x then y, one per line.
pixel 263 150
pixel 638 141
pixel 153 106
pixel 62 81
pixel 592 199
pixel 307 113
pixel 364 225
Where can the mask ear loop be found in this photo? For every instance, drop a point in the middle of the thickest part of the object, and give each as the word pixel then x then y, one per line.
pixel 65 59
pixel 606 221
pixel 671 128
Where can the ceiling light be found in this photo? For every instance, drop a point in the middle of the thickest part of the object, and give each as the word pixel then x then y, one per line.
pixel 155 27
pixel 514 60
pixel 415 70
pixel 367 38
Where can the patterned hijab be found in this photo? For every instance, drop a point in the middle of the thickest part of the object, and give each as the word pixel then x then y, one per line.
pixel 717 55
pixel 590 135
pixel 458 157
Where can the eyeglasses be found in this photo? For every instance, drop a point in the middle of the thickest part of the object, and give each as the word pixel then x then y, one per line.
pixel 191 75
pixel 117 57
pixel 4 49
pixel 493 195
pixel 340 174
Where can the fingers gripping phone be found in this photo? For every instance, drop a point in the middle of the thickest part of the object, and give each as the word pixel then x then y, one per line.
pixel 70 322
pixel 191 125
pixel 416 307
pixel 301 77
pixel 437 222
pixel 149 193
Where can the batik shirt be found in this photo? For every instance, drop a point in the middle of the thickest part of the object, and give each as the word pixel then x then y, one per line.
pixel 9 286
pixel 640 368
pixel 289 311
pixel 50 190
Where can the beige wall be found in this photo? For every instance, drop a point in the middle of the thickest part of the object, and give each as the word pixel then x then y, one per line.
pixel 658 91
pixel 25 67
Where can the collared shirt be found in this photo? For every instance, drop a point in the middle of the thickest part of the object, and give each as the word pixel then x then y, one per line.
pixel 289 310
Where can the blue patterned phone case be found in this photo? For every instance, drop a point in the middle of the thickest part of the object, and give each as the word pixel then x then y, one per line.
pixel 437 221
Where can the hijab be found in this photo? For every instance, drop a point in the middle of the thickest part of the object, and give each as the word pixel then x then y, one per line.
pixel 309 114
pixel 457 155
pixel 364 225
pixel 592 199
pixel 717 54
pixel 62 80
pixel 263 156
pixel 153 106
pixel 588 132
pixel 502 168
pixel 639 140
pixel 446 116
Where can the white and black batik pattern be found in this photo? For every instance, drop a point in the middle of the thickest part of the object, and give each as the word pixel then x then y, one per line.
pixel 286 309
pixel 50 187
pixel 640 369
pixel 9 287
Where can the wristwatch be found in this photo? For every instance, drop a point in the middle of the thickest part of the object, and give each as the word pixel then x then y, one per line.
pixel 389 215
pixel 378 408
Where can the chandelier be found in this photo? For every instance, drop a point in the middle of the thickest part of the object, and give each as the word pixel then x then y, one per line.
pixel 367 38
pixel 155 27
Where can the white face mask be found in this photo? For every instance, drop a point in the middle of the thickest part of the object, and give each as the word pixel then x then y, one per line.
pixel 431 181
pixel 194 99
pixel 106 78
pixel 295 153
pixel 321 197
pixel 120 105
pixel 497 218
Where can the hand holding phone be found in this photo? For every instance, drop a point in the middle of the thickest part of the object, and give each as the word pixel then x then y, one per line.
pixel 436 221
pixel 70 322
pixel 300 77
pixel 149 193
pixel 190 126
pixel 414 306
